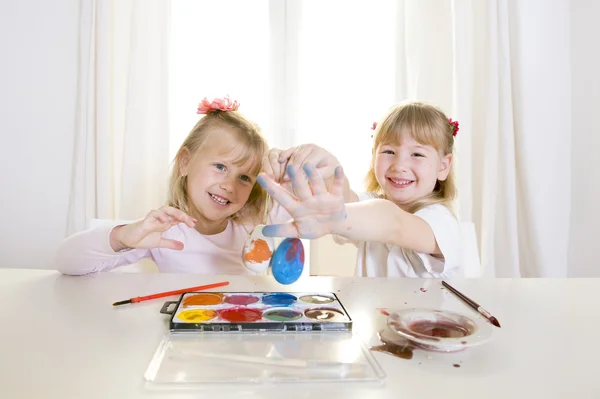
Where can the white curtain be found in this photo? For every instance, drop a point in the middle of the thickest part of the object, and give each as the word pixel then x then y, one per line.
pixel 517 120
pixel 499 67
pixel 121 154
pixel 323 72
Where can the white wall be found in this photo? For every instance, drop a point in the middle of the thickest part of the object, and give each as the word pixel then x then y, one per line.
pixel 38 80
pixel 585 116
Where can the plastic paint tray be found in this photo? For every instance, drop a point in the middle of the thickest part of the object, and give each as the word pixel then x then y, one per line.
pixel 258 311
pixel 257 338
pixel 188 359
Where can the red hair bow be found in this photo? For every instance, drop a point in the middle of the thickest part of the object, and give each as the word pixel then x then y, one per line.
pixel 455 124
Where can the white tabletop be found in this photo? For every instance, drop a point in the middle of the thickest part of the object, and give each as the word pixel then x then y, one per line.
pixel 61 338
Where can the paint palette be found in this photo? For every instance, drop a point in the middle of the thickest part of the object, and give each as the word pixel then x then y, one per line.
pixel 257 311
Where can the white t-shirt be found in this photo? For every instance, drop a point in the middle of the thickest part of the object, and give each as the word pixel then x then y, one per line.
pixel 375 259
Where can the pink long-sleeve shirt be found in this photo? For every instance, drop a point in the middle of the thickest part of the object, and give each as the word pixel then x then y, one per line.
pixel 89 251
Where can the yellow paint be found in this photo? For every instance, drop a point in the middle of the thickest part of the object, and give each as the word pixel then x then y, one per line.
pixel 197 315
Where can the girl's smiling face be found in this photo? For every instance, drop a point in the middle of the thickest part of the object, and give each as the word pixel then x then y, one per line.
pixel 408 171
pixel 218 186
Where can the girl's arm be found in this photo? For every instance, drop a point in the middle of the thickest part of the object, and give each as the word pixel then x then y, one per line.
pixel 318 210
pixel 383 221
pixel 108 247
pixel 90 251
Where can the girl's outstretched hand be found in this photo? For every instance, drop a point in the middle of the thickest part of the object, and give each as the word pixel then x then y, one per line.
pixel 316 211
pixel 147 233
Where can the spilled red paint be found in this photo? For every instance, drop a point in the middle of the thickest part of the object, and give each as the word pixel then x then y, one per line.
pixel 383 311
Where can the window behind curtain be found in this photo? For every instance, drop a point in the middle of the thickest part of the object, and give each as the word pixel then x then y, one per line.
pixel 306 71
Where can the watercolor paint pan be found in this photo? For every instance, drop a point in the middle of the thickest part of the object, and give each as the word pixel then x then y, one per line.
pixel 257 311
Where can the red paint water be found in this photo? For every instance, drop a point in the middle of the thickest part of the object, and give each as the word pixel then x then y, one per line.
pixel 438 329
pixel 240 315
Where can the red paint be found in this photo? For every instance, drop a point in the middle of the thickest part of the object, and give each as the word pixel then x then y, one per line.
pixel 383 311
pixel 436 329
pixel 423 289
pixel 240 315
pixel 295 247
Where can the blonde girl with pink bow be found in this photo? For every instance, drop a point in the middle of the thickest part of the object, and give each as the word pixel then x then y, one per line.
pixel 213 205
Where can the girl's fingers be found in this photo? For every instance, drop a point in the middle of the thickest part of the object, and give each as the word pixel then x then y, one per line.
pixel 300 185
pixel 316 181
pixel 298 157
pixel 178 216
pixel 170 244
pixel 280 230
pixel 277 192
pixel 337 187
pixel 270 162
pixel 157 215
pixel 284 156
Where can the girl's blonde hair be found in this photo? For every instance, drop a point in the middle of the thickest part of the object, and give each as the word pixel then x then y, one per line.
pixel 427 125
pixel 247 135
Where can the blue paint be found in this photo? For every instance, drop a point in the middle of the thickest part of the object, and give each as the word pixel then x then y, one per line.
pixel 279 299
pixel 287 262
pixel 308 169
pixel 290 171
pixel 272 230
pixel 264 183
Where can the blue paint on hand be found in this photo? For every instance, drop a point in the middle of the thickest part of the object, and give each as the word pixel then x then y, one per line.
pixel 262 180
pixel 308 169
pixel 270 230
pixel 290 171
pixel 287 262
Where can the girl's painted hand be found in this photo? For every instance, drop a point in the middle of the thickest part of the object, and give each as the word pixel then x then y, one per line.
pixel 147 233
pixel 316 211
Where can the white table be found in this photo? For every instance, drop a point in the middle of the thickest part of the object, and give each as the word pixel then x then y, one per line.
pixel 61 338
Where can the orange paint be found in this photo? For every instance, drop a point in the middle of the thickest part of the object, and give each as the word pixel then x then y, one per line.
pixel 202 300
pixel 259 253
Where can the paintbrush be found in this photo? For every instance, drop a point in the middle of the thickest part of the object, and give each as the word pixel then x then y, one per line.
pixel 272 361
pixel 169 293
pixel 472 304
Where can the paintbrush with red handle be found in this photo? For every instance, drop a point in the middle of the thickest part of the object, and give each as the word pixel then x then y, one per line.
pixel 472 304
pixel 169 293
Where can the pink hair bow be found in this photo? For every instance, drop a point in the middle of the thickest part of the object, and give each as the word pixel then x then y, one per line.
pixel 218 104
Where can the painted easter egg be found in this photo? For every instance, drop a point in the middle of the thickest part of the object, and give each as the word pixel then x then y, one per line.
pixel 258 251
pixel 288 261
